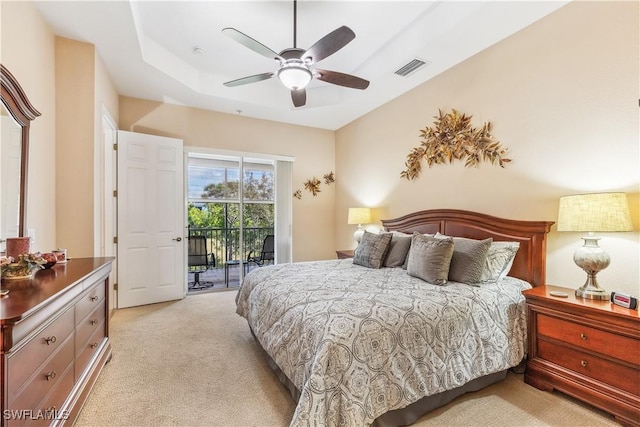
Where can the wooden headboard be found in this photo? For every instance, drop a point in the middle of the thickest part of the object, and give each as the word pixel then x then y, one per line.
pixel 530 261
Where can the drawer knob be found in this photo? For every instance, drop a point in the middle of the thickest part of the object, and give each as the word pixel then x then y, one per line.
pixel 51 375
pixel 50 340
pixel 94 345
pixel 93 321
pixel 583 336
pixel 583 363
pixel 94 298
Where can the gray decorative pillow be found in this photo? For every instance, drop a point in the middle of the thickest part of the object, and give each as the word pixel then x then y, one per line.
pixel 468 260
pixel 429 258
pixel 499 260
pixel 371 250
pixel 398 250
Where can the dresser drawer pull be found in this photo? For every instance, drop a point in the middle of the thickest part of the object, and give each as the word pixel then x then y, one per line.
pixel 94 298
pixel 94 345
pixel 50 340
pixel 51 375
pixel 93 321
pixel 583 336
pixel 583 363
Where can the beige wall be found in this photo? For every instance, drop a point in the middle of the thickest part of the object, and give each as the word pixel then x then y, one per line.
pixel 28 51
pixel 84 92
pixel 313 149
pixel 562 96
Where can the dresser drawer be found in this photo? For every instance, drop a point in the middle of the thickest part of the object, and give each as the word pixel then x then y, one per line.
pixel 49 409
pixel 88 350
pixel 21 363
pixel 88 326
pixel 614 374
pixel 617 346
pixel 89 302
pixel 46 377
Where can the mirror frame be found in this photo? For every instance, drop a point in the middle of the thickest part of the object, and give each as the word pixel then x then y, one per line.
pixel 16 101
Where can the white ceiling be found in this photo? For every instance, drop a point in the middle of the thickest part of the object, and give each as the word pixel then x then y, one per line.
pixel 147 48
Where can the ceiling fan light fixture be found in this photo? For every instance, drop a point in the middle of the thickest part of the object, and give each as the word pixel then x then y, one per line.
pixel 295 76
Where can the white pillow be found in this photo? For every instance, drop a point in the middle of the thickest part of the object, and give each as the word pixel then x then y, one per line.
pixel 499 260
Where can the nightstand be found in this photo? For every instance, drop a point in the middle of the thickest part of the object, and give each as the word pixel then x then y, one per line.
pixel 346 253
pixel 588 349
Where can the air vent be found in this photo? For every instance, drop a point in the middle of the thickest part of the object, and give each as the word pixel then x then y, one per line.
pixel 410 67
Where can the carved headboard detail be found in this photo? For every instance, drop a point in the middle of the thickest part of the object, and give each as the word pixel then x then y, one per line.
pixel 530 261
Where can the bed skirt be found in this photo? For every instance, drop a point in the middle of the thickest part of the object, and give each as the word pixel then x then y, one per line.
pixel 410 414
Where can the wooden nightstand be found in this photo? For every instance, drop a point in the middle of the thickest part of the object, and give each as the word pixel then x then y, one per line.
pixel 344 254
pixel 588 349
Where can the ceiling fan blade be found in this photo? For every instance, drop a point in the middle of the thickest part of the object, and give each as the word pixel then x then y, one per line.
pixel 299 97
pixel 329 44
pixel 341 79
pixel 249 79
pixel 252 44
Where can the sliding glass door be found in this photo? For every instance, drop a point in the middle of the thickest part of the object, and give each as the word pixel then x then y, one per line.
pixel 230 201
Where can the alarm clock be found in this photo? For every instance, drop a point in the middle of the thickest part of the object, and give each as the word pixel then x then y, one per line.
pixel 624 300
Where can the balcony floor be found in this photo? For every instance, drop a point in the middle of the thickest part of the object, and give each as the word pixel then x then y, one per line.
pixel 214 279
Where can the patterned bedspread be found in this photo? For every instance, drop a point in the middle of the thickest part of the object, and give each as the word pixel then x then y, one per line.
pixel 359 342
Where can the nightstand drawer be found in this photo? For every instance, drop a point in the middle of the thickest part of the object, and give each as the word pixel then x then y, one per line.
pixel 614 374
pixel 617 346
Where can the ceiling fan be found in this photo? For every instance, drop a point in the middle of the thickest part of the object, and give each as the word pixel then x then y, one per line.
pixel 296 65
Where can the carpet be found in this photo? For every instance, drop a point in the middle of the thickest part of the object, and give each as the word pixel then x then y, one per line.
pixel 194 362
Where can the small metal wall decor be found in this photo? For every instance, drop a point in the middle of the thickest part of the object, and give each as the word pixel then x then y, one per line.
pixel 453 138
pixel 313 185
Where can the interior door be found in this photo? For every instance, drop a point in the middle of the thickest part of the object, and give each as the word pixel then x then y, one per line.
pixel 150 219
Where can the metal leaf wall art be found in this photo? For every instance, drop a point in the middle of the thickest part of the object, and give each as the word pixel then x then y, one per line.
pixel 453 138
pixel 313 185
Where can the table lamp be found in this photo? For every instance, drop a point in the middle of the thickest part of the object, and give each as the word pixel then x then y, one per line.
pixel 359 216
pixel 601 212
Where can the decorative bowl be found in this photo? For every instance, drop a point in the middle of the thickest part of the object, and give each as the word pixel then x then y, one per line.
pixel 50 258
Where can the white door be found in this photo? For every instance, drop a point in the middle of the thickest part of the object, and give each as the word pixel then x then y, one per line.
pixel 150 219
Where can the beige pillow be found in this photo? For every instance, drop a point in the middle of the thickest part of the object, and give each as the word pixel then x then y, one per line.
pixel 429 258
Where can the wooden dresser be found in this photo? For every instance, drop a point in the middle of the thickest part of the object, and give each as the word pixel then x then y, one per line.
pixel 55 341
pixel 588 349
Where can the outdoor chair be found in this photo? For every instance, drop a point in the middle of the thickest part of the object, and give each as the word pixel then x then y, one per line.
pixel 266 255
pixel 199 261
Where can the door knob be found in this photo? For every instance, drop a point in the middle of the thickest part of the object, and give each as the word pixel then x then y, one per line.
pixel 178 239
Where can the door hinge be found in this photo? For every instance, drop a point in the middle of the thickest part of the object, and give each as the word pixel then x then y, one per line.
pixel 115 239
pixel 115 286
pixel 115 147
pixel 115 193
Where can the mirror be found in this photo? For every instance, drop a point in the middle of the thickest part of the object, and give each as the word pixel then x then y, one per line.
pixel 16 115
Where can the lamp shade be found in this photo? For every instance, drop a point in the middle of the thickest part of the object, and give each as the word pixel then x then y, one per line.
pixel 359 216
pixel 594 212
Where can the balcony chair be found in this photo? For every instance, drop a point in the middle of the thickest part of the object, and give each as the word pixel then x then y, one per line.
pixel 267 255
pixel 199 261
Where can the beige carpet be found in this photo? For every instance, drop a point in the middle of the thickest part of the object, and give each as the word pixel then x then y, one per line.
pixel 195 363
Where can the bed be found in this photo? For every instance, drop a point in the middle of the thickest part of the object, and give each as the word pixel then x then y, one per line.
pixel 364 346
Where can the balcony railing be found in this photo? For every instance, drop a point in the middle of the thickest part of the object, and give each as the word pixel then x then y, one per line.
pixel 224 243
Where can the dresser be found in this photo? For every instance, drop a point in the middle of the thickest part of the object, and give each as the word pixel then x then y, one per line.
pixel 55 341
pixel 588 349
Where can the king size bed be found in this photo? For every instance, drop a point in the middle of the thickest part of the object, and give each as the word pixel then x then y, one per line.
pixel 359 344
